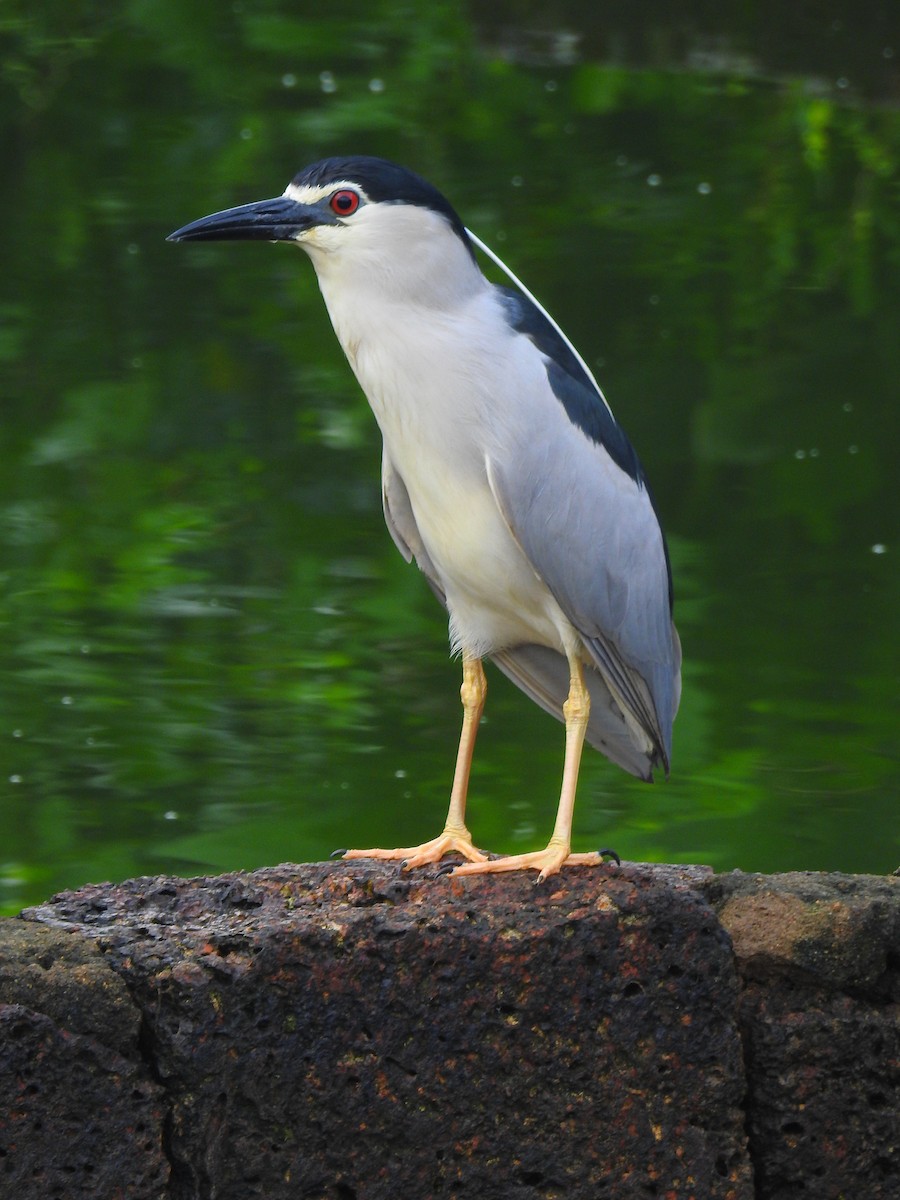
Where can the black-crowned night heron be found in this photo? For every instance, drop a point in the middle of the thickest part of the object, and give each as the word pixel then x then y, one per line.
pixel 504 474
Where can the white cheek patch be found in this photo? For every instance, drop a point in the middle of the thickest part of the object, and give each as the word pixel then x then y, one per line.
pixel 327 239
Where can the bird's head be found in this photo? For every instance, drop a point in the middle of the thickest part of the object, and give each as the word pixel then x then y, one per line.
pixel 357 217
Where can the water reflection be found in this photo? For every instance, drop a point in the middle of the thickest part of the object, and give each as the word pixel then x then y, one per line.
pixel 213 656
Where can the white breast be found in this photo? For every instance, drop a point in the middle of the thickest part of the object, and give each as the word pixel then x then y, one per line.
pixel 439 386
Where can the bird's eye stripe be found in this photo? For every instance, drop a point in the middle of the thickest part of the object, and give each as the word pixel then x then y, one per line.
pixel 344 203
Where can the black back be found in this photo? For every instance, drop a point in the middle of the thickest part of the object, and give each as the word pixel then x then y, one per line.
pixel 571 385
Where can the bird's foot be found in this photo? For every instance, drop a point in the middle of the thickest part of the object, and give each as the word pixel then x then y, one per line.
pixel 546 862
pixel 453 840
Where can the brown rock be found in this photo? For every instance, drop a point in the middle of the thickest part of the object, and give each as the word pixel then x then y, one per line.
pixel 820 1022
pixel 342 1031
pixel 345 1031
pixel 833 931
pixel 80 1115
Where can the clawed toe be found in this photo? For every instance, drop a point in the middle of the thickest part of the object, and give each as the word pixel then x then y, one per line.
pixel 546 862
pixel 451 841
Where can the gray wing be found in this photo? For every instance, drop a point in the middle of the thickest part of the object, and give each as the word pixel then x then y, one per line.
pixel 575 498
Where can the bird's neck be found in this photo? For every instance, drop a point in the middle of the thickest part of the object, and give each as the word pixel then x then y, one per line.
pixel 413 353
pixel 402 303
pixel 416 272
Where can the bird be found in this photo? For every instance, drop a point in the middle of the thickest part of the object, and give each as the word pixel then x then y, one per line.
pixel 505 477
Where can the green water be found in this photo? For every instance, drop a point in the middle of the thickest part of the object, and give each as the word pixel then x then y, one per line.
pixel 212 655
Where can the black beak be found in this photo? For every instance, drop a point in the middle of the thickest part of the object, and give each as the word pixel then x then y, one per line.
pixel 278 220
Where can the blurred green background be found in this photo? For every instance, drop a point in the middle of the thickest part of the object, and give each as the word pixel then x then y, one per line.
pixel 212 655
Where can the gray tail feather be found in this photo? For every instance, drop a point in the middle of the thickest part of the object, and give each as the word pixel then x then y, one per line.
pixel 543 675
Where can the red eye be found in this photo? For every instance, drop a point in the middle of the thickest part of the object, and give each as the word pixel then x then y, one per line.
pixel 344 202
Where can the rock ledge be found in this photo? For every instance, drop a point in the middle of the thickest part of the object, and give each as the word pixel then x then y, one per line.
pixel 342 1031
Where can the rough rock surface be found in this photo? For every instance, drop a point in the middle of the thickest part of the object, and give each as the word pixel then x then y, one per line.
pixel 819 957
pixel 80 1115
pixel 341 1031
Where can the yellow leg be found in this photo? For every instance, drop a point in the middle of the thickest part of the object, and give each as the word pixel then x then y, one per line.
pixel 455 836
pixel 548 861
